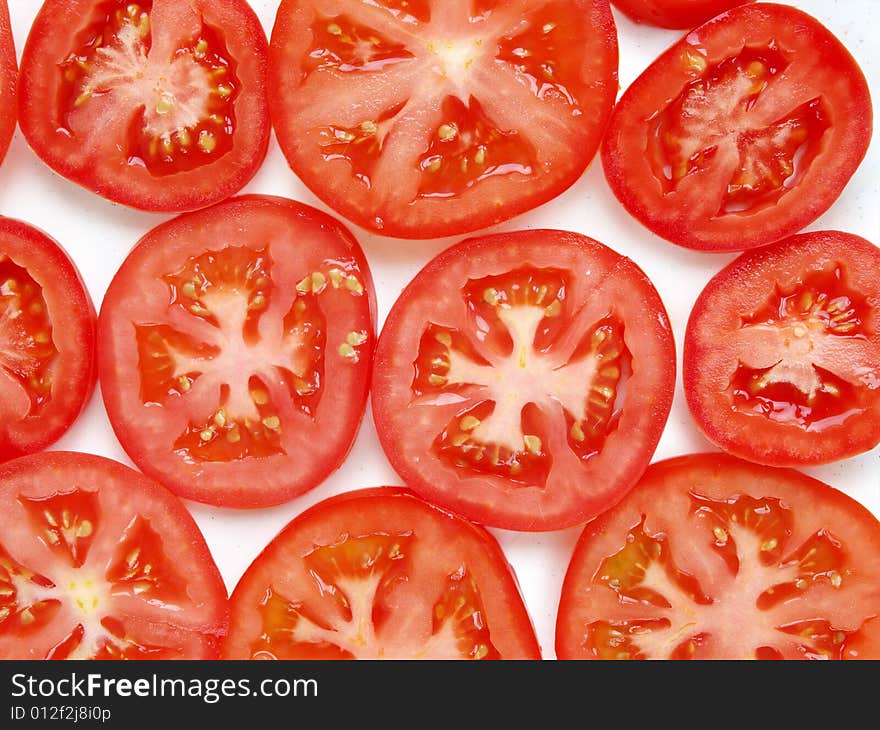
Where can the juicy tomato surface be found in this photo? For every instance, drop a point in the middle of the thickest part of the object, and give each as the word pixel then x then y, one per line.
pixel 742 133
pixel 98 562
pixel 675 13
pixel 429 118
pixel 713 558
pixel 8 80
pixel 523 379
pixel 782 352
pixel 236 346
pixel 380 574
pixel 47 340
pixel 156 104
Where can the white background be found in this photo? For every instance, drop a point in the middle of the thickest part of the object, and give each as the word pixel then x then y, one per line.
pixel 99 234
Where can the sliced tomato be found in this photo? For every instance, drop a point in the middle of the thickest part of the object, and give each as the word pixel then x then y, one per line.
pixel 235 351
pixel 156 104
pixel 430 118
pixel 782 353
pixel 380 574
pixel 98 562
pixel 713 558
pixel 47 340
pixel 523 379
pixel 8 80
pixel 742 133
pixel 675 13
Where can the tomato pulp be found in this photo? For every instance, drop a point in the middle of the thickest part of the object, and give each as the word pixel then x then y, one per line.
pixel 235 351
pixel 379 574
pixel 98 562
pixel 742 133
pixel 430 118
pixel 523 379
pixel 156 104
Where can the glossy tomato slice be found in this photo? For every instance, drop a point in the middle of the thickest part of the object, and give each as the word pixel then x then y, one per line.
pixel 47 340
pixel 236 346
pixel 98 562
pixel 523 379
pixel 430 118
pixel 156 104
pixel 742 133
pixel 8 80
pixel 782 354
pixel 675 13
pixel 713 558
pixel 380 574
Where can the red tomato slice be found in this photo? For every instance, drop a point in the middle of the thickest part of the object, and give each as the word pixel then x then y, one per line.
pixel 523 379
pixel 675 13
pixel 713 558
pixel 98 562
pixel 156 104
pixel 8 80
pixel 236 346
pixel 379 574
pixel 47 341
pixel 742 133
pixel 782 354
pixel 430 118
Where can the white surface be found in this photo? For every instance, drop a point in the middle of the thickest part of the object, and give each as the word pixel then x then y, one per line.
pixel 98 235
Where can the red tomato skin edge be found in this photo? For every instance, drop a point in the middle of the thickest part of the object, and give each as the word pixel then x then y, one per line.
pixel 662 402
pixel 487 539
pixel 244 498
pixel 9 73
pixel 681 234
pixel 690 14
pixel 779 457
pixel 61 460
pixel 41 245
pixel 714 461
pixel 86 179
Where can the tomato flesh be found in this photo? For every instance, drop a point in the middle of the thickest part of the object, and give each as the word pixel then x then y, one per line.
pixel 503 389
pixel 388 111
pixel 738 136
pixel 368 576
pixel 791 376
pixel 242 352
pixel 675 13
pixel 8 80
pixel 101 564
pixel 712 558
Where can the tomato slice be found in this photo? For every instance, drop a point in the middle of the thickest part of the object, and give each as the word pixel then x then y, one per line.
pixel 156 104
pixel 98 562
pixel 236 346
pixel 47 340
pixel 8 80
pixel 675 13
pixel 742 133
pixel 523 379
pixel 713 558
pixel 380 574
pixel 782 353
pixel 431 118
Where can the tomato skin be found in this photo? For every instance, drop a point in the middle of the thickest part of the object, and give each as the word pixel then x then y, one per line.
pixel 675 13
pixel 729 298
pixel 399 511
pixel 680 216
pixel 660 500
pixel 73 319
pixel 146 432
pixel 492 200
pixel 102 169
pixel 128 493
pixel 8 80
pixel 496 501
